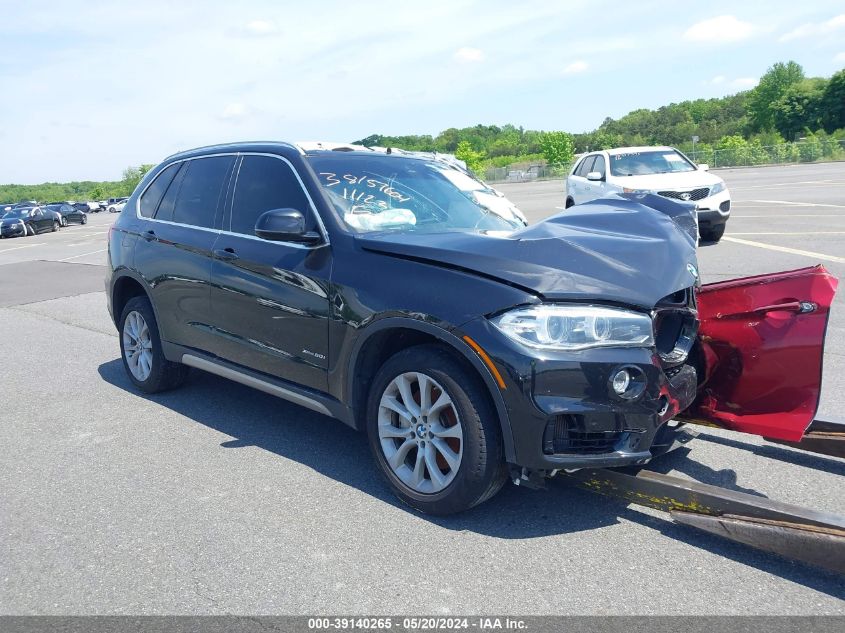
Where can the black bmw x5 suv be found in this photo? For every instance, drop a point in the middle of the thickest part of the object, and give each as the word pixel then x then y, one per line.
pixel 409 300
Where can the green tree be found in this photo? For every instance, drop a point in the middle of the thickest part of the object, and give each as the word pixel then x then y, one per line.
pixel 472 158
pixel 833 102
pixel 557 147
pixel 799 108
pixel 97 193
pixel 773 85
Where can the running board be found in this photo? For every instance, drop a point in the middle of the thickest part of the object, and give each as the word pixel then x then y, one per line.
pixel 224 371
pixel 813 537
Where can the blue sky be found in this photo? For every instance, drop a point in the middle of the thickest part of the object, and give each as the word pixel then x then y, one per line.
pixel 91 87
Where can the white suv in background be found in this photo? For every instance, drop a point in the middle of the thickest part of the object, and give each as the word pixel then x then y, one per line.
pixel 661 170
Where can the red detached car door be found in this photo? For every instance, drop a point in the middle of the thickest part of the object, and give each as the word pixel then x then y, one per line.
pixel 762 343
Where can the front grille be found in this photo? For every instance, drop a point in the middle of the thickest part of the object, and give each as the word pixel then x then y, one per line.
pixel 565 434
pixel 688 195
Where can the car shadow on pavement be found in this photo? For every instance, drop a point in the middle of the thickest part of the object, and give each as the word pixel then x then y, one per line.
pixel 331 448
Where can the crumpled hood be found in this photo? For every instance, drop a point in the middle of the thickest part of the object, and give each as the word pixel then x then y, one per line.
pixel 615 250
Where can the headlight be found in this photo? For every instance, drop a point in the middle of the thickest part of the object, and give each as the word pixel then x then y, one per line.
pixel 717 188
pixel 574 327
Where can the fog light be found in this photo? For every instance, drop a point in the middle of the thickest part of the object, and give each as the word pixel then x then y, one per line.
pixel 627 383
pixel 621 381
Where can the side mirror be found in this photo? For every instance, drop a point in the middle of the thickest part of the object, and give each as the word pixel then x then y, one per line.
pixel 285 225
pixel 703 166
pixel 595 175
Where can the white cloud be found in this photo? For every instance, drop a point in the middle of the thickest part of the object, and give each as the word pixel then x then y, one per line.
pixel 468 55
pixel 234 111
pixel 723 28
pixel 576 67
pixel 815 28
pixel 840 57
pixel 744 82
pixel 718 79
pixel 260 27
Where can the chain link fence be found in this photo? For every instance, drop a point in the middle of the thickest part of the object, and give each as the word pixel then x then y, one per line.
pixel 744 155
pixel 751 154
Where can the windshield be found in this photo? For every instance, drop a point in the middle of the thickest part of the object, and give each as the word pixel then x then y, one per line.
pixel 651 162
pixel 380 192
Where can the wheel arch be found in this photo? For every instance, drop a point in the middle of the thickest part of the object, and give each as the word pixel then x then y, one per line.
pixel 124 287
pixel 386 337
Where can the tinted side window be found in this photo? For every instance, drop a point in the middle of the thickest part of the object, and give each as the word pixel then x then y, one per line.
pixel 201 190
pixel 599 165
pixel 265 183
pixel 153 194
pixel 586 166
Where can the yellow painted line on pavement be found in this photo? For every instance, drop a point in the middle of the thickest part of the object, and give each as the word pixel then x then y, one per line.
pixel 785 249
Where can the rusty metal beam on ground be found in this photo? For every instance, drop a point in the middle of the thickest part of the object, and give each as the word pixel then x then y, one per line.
pixel 822 547
pixel 822 436
pixel 811 536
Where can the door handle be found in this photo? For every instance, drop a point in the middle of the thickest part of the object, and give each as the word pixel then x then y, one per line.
pixel 227 254
pixel 801 307
pixel 150 235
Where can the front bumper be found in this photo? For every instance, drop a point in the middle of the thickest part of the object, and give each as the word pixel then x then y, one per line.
pixel 562 412
pixel 714 210
pixel 14 230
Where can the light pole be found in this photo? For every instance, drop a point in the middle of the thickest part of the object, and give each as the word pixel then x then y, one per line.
pixel 694 141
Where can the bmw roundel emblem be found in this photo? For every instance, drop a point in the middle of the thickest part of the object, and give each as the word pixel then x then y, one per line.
pixel 692 271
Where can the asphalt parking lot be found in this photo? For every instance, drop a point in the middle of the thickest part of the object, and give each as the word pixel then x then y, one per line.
pixel 219 499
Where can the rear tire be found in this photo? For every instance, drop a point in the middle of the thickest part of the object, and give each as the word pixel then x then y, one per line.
pixel 141 350
pixel 472 453
pixel 714 234
pixel 56 225
pixel 84 220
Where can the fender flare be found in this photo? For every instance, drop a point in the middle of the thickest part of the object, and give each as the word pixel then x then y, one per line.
pixel 453 342
pixel 122 273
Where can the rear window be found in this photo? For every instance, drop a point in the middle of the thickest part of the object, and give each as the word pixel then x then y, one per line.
pixel 151 197
pixel 201 190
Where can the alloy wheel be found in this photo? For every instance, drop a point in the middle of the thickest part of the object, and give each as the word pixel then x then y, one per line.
pixel 420 432
pixel 137 346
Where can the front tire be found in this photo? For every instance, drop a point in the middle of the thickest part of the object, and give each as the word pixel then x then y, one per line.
pixel 141 350
pixel 29 230
pixel 433 432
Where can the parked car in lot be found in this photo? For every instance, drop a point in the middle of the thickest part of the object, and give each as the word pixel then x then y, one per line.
pixel 69 214
pixel 116 205
pixel 54 213
pixel 94 207
pixel 470 348
pixel 23 221
pixel 661 170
